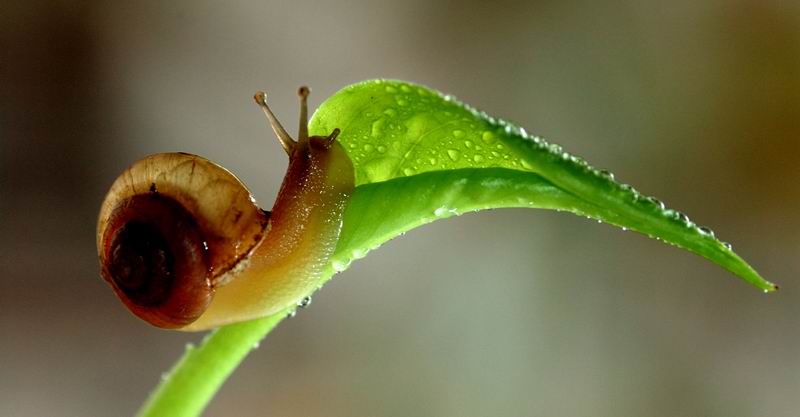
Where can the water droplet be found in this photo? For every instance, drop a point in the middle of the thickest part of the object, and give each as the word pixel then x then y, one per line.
pixel 453 154
pixel 525 164
pixel 607 174
pixel 499 146
pixel 682 217
pixel 487 136
pixel 458 134
pixel 405 88
pixel 378 127
pixel 401 101
pixel 368 147
pixel 390 112
pixel 340 266
pixel 256 345
pixel 657 202
pixel 706 231
pixel 304 302
pixel 381 149
pixel 432 161
pixel 439 212
pixel 727 245
pixel 408 171
pixel 478 158
pixel 390 89
pixel 291 314
pixel 468 143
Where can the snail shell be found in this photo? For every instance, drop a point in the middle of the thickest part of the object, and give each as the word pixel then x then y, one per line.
pixel 183 244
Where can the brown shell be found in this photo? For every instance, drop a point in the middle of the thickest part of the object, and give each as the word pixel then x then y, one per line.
pixel 193 219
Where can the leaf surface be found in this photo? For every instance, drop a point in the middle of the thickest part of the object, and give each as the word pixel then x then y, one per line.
pixel 420 155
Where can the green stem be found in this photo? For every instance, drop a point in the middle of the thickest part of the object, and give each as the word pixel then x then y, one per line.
pixel 198 375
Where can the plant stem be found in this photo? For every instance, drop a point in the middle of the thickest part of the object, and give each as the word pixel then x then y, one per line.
pixel 198 375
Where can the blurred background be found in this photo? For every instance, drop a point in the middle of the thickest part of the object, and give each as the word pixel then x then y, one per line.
pixel 508 312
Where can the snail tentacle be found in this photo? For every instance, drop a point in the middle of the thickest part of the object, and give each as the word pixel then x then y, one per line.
pixel 284 138
pixel 302 130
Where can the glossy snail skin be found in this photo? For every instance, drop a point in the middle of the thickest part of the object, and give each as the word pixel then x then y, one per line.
pixel 184 246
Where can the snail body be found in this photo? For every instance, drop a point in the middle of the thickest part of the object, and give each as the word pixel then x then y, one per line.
pixel 184 246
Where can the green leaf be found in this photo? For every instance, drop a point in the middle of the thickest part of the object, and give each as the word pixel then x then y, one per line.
pixel 420 155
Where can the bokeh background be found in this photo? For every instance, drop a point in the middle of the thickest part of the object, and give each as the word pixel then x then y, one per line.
pixel 508 312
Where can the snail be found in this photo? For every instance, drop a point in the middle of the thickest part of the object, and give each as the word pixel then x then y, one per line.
pixel 184 245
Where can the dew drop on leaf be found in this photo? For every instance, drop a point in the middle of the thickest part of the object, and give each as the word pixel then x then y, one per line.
pixel 706 231
pixel 340 266
pixel 657 202
pixel 304 302
pixel 378 127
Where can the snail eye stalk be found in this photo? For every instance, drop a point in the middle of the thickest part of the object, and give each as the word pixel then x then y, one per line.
pixel 284 138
